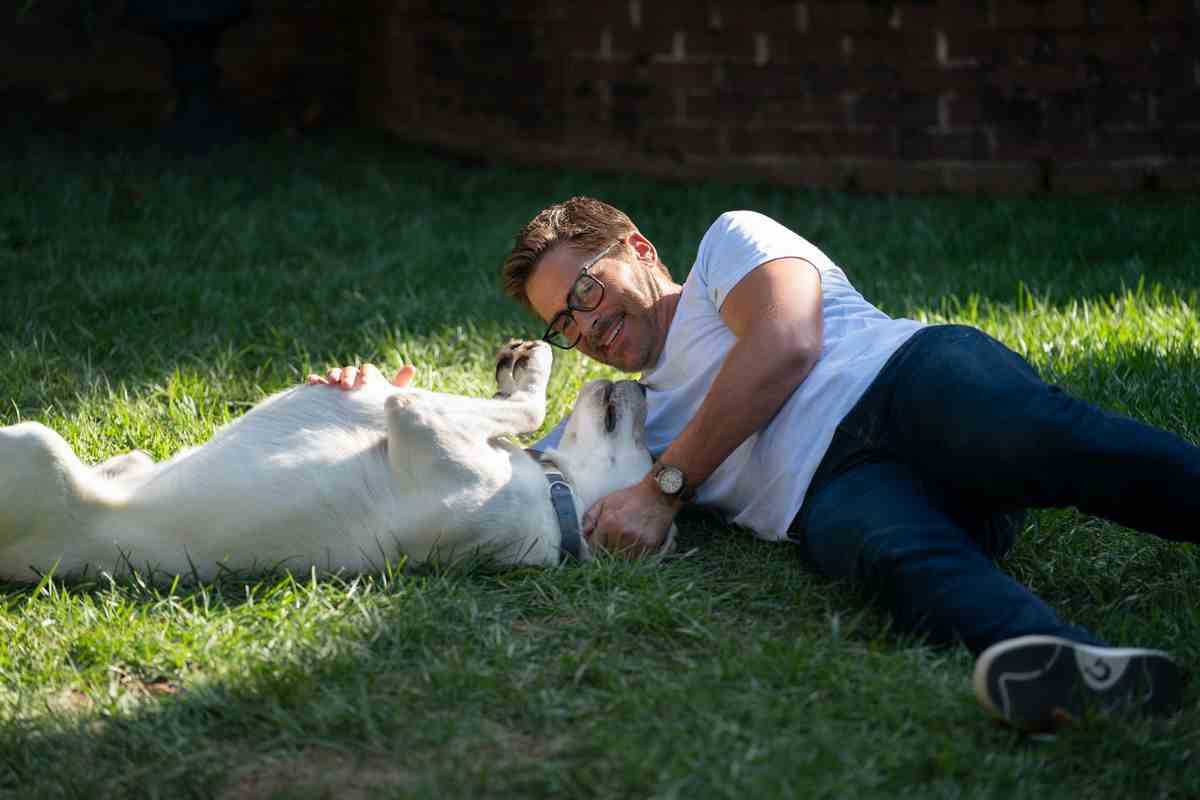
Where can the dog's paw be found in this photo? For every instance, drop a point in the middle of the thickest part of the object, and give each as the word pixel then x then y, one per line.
pixel 522 367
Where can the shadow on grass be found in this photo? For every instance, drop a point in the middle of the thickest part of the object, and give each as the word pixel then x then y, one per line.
pixel 341 699
pixel 478 683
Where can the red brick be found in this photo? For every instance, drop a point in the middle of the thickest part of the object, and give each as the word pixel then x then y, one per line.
pixel 805 48
pixel 851 15
pixel 1015 143
pixel 803 143
pixel 823 77
pixel 586 99
pixel 930 15
pixel 681 142
pixel 895 107
pixel 1042 78
pixel 576 70
pixel 599 13
pixel 625 42
pixel 704 44
pixel 813 173
pixel 739 109
pixel 1153 12
pixel 1044 14
pixel 912 48
pixel 989 48
pixel 664 15
pixel 742 16
pixel 1093 177
pixel 810 110
pixel 1002 178
pixel 936 80
pixel 685 75
pixel 895 177
pixel 927 144
pixel 1122 143
pixel 723 106
pixel 751 80
pixel 576 39
pixel 1110 45
pixel 584 136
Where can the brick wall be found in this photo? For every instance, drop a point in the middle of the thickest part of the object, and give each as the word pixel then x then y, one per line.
pixel 913 95
pixel 78 64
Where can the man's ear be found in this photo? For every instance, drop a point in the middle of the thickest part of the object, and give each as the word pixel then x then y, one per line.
pixel 643 247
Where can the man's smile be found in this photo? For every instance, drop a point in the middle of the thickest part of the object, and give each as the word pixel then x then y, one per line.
pixel 616 330
pixel 610 331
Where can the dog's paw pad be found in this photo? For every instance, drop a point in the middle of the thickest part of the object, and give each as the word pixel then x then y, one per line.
pixel 522 366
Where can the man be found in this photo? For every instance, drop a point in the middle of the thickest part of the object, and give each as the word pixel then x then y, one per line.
pixel 890 451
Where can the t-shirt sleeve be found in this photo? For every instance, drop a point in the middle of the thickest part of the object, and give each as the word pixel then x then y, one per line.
pixel 739 241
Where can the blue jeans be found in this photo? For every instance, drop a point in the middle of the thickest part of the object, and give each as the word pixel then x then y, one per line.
pixel 926 477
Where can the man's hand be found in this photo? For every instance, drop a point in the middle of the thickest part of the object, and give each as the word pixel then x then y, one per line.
pixel 348 378
pixel 632 522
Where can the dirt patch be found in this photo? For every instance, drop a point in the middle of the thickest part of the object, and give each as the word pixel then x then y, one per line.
pixel 527 625
pixel 507 746
pixel 322 772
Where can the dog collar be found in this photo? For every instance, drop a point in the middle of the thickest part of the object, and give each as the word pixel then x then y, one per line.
pixel 562 497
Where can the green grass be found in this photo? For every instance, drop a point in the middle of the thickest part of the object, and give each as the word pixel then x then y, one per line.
pixel 144 303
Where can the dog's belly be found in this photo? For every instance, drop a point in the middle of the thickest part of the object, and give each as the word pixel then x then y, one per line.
pixel 301 480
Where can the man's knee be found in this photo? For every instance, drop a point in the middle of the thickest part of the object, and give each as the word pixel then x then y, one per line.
pixel 902 559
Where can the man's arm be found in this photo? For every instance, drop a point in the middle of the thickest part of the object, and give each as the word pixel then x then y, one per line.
pixel 775 313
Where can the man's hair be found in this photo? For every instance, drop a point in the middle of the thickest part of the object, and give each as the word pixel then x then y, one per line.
pixel 584 224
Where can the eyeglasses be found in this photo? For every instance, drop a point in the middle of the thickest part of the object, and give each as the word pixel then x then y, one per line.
pixel 586 294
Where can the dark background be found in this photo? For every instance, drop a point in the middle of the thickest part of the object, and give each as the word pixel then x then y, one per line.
pixel 1015 96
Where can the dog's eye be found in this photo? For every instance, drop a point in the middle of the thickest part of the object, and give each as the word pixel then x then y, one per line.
pixel 610 418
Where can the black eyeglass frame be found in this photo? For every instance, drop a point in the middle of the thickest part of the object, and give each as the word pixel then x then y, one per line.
pixel 566 312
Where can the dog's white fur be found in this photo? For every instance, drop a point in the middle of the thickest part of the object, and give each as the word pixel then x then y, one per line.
pixel 317 477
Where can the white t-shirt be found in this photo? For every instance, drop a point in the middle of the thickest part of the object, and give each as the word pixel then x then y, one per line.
pixel 762 483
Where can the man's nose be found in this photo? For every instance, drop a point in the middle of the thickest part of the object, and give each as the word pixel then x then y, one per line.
pixel 587 321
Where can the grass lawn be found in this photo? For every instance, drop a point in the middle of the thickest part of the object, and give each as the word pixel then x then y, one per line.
pixel 144 303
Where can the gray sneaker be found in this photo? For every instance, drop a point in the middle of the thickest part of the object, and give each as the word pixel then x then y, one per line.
pixel 1040 682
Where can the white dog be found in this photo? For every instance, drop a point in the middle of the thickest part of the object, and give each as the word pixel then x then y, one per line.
pixel 315 477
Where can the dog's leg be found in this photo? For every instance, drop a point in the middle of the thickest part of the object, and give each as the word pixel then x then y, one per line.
pixel 522 372
pixel 125 465
pixel 43 484
pixel 423 427
pixel 464 484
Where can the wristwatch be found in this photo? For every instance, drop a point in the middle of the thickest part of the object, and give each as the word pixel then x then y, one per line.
pixel 672 482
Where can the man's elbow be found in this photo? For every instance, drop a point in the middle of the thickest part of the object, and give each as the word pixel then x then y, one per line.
pixel 802 357
pixel 800 347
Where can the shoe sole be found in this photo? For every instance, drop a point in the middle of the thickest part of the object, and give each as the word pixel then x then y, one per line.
pixel 1040 682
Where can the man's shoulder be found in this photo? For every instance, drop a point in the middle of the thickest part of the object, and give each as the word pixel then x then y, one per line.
pixel 739 219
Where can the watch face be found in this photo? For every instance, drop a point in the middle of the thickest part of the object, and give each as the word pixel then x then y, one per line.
pixel 670 480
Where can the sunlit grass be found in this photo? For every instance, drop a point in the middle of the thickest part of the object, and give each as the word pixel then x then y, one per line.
pixel 144 303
